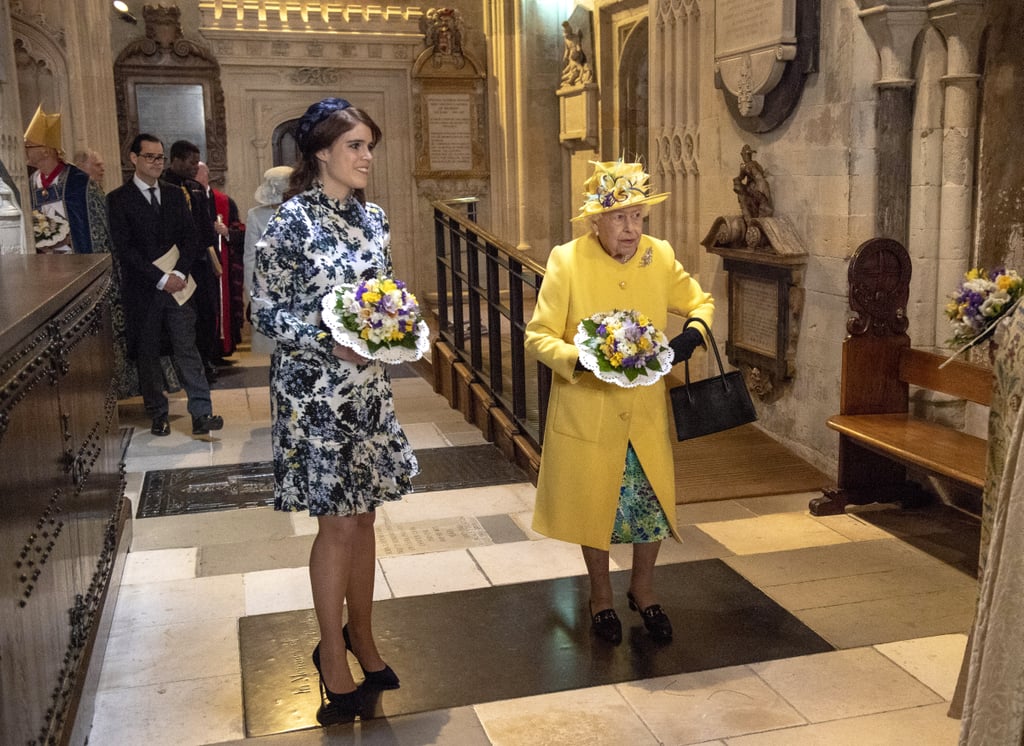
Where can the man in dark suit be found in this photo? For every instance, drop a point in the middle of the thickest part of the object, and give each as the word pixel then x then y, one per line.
pixel 149 218
pixel 182 165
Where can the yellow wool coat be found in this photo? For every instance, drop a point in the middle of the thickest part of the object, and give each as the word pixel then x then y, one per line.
pixel 589 422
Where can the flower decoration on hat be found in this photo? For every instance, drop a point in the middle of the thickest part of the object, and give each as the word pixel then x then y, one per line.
pixel 44 129
pixel 614 185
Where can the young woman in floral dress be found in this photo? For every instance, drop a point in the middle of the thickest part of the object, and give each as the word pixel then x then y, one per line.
pixel 339 451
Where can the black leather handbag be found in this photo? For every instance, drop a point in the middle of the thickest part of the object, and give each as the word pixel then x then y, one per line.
pixel 714 404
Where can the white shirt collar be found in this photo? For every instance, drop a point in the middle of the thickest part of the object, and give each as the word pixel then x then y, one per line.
pixel 144 187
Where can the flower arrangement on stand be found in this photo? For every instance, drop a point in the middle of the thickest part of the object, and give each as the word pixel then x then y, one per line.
pixel 623 347
pixel 51 232
pixel 981 299
pixel 378 318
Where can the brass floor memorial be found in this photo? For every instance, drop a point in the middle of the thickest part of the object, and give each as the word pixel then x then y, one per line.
pixel 468 647
pixel 207 488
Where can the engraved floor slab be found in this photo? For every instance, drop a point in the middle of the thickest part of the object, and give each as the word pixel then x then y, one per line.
pixel 202 489
pixel 444 534
pixel 467 647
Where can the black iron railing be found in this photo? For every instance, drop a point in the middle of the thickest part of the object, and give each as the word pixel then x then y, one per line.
pixel 486 292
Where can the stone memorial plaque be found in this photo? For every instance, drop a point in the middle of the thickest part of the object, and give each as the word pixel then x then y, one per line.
pixel 756 309
pixel 172 112
pixel 743 25
pixel 450 131
pixel 419 537
pixel 754 39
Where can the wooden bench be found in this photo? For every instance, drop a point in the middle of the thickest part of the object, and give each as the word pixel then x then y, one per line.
pixel 879 438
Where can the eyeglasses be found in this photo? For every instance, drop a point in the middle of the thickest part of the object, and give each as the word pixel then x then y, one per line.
pixel 152 157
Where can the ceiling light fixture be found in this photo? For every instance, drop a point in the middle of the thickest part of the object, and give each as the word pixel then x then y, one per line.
pixel 122 11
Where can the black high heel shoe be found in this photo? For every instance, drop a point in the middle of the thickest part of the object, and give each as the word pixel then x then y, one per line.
pixel 382 679
pixel 607 626
pixel 336 708
pixel 655 619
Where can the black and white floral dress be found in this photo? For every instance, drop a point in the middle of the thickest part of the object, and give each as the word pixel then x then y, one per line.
pixel 338 447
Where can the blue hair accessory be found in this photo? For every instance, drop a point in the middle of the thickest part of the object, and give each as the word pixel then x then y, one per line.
pixel 315 114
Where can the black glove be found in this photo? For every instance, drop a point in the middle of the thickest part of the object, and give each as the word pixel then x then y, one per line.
pixel 684 344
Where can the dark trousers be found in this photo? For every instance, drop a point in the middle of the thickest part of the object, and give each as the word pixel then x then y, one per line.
pixel 207 306
pixel 176 324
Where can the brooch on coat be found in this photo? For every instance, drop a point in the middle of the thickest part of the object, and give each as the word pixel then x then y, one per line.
pixel 647 258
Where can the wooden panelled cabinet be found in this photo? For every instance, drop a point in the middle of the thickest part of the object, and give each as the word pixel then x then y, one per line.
pixel 64 521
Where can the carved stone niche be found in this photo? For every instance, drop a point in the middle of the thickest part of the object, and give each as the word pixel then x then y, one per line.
pixel 765 260
pixel 169 86
pixel 764 49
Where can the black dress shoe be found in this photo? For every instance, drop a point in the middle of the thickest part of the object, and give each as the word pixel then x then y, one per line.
pixel 160 426
pixel 205 423
pixel 606 625
pixel 655 620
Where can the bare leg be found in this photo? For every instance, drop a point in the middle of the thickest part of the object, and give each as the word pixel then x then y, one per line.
pixel 360 595
pixel 600 579
pixel 330 571
pixel 641 580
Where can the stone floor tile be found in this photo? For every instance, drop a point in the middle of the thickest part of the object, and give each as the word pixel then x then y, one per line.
pixel 716 510
pixel 934 661
pixel 437 572
pixel 898 583
pixel 143 715
pixel 699 707
pixel 179 601
pixel 853 527
pixel 844 684
pixel 534 560
pixel 817 563
pixel 144 655
pixel 490 500
pixel 888 620
pixel 795 502
pixel 159 565
pixel 771 533
pixel 214 527
pixel 918 725
pixel 254 555
pixel 596 717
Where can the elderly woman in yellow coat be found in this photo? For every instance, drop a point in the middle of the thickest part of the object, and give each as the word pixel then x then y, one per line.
pixel 606 473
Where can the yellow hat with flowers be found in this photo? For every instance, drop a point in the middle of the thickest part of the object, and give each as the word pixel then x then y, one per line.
pixel 614 185
pixel 44 129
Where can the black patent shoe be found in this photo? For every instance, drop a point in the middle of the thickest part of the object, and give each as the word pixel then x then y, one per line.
pixel 655 620
pixel 338 708
pixel 205 423
pixel 606 625
pixel 160 426
pixel 385 678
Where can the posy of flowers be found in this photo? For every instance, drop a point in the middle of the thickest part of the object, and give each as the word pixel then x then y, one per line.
pixel 980 300
pixel 378 318
pixel 49 231
pixel 623 347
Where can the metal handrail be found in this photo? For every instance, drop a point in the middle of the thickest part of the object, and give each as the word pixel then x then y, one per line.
pixel 485 289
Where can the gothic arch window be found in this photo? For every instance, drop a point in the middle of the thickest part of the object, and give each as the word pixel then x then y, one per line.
pixel 285 151
pixel 633 92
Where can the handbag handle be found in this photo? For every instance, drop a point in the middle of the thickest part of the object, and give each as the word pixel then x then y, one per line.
pixel 714 347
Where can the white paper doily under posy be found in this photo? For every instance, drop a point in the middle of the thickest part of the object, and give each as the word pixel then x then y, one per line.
pixel 589 361
pixel 348 338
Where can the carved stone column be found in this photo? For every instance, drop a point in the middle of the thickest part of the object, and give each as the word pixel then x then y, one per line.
pixel 961 23
pixel 675 84
pixel 893 29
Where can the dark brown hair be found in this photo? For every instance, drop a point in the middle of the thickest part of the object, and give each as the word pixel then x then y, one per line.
pixel 318 130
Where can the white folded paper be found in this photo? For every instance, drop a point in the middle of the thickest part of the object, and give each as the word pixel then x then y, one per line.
pixel 166 264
